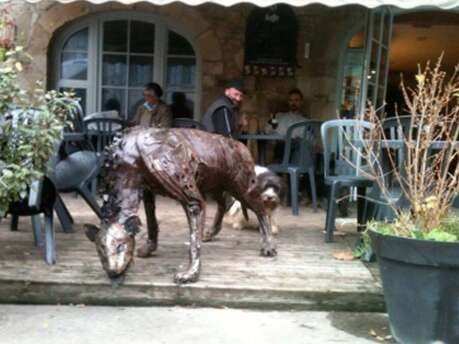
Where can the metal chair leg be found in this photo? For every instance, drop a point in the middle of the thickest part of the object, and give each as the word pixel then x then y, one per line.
pixel 14 223
pixel 312 183
pixel 361 209
pixel 36 226
pixel 94 187
pixel 89 198
pixel 331 212
pixel 63 215
pixel 67 212
pixel 50 242
pixel 294 177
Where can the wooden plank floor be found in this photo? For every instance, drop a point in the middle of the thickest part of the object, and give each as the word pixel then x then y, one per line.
pixel 304 275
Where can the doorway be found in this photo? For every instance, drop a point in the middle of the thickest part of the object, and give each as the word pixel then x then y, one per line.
pixel 419 37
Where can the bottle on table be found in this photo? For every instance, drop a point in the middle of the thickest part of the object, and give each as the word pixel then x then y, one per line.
pixel 273 121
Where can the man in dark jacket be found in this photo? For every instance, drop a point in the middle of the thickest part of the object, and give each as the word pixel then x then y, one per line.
pixel 222 117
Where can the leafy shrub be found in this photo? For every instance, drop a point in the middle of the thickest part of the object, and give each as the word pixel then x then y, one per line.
pixel 31 125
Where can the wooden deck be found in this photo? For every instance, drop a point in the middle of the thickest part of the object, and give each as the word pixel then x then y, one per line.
pixel 304 275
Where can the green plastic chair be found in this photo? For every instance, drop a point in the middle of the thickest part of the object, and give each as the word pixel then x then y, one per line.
pixel 395 129
pixel 104 130
pixel 182 122
pixel 299 162
pixel 343 167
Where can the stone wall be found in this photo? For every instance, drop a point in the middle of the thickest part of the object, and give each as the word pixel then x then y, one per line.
pixel 219 36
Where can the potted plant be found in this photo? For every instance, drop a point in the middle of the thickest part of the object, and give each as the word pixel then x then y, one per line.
pixel 31 125
pixel 418 250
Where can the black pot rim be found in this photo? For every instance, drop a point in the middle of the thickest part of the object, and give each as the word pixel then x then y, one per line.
pixel 415 251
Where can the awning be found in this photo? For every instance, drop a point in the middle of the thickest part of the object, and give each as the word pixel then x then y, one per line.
pixel 443 4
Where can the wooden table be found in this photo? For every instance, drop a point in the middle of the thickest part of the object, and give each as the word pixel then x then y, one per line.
pixel 262 139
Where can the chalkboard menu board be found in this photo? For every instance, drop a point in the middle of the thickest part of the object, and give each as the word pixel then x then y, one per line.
pixel 270 42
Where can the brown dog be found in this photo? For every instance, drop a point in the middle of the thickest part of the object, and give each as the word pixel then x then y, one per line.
pixel 184 164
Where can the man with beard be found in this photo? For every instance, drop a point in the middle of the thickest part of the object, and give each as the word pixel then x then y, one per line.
pixel 222 116
pixel 283 120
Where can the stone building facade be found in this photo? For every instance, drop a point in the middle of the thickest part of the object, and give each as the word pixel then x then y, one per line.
pixel 218 34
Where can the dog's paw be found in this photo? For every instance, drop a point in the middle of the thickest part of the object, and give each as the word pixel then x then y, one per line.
pixel 269 250
pixel 207 236
pixel 237 225
pixel 147 249
pixel 186 277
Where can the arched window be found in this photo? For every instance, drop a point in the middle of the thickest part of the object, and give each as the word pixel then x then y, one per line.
pixel 108 58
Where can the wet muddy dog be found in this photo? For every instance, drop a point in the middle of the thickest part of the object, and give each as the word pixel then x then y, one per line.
pixel 183 164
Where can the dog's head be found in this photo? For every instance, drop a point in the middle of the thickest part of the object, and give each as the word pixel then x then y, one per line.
pixel 270 185
pixel 115 244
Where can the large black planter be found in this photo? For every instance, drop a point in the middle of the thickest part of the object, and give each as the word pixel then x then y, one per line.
pixel 421 288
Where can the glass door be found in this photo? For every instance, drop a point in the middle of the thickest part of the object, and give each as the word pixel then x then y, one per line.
pixel 376 65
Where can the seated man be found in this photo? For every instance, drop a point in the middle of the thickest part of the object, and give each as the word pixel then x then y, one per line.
pixel 283 120
pixel 280 124
pixel 153 112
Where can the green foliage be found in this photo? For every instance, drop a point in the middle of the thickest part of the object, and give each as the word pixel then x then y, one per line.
pixel 439 235
pixel 363 246
pixel 31 124
pixel 447 231
pixel 381 227
pixel 451 226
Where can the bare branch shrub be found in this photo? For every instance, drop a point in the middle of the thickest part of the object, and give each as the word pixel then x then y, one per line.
pixel 428 175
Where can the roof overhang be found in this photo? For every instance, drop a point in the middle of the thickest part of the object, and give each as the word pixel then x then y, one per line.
pixel 405 4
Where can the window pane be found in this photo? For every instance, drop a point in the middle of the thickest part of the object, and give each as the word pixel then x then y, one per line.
pixel 115 36
pixel 179 45
pixel 181 72
pixel 77 41
pixel 135 100
pixel 114 71
pixel 371 94
pixel 113 99
pixel 74 66
pixel 140 70
pixel 142 37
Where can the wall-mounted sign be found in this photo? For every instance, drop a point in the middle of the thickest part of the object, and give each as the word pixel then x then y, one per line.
pixel 270 42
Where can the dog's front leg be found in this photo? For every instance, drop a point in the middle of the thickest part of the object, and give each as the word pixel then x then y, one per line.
pixel 196 219
pixel 272 218
pixel 268 248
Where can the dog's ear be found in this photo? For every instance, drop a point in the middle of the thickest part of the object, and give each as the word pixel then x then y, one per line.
pixel 91 231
